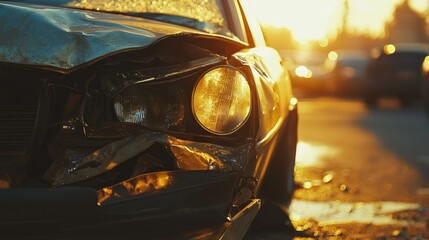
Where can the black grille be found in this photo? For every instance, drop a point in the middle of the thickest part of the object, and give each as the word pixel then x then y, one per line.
pixel 18 113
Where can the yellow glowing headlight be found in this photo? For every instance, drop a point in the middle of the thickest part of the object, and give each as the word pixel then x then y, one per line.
pixel 221 100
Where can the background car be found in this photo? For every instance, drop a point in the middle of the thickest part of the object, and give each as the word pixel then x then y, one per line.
pixel 348 71
pixel 309 71
pixel 396 71
pixel 146 119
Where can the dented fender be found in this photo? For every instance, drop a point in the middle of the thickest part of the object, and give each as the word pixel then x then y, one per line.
pixel 61 40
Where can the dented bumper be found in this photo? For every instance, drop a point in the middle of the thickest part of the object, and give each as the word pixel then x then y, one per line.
pixel 197 204
pixel 206 195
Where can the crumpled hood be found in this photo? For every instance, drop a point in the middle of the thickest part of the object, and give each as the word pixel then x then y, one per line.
pixel 62 39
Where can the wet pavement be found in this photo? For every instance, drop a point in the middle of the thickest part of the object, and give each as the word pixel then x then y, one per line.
pixel 361 173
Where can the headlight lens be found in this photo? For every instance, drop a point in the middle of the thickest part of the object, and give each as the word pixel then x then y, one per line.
pixel 150 107
pixel 221 100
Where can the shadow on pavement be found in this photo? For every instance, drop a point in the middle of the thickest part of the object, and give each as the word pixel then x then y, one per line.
pixel 402 131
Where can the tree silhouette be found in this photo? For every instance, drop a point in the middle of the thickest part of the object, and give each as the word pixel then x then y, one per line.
pixel 406 26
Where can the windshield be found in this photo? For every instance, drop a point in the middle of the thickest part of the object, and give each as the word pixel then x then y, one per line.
pixel 204 15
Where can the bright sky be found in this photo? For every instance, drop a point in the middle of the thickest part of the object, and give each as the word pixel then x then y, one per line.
pixel 318 19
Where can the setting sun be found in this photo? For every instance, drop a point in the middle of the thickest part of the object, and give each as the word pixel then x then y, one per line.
pixel 310 20
pixel 307 19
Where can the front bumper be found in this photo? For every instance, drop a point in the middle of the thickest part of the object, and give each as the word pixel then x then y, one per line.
pixel 197 206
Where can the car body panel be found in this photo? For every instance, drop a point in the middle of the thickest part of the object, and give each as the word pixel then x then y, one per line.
pixel 276 101
pixel 77 37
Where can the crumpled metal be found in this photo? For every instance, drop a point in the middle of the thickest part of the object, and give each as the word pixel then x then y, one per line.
pixel 105 158
pixel 114 84
pixel 207 156
pixel 62 39
pixel 189 155
pixel 145 183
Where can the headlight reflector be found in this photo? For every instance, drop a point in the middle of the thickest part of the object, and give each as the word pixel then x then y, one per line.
pixel 159 108
pixel 221 100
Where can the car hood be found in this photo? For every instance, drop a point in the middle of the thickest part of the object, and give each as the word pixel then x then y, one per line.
pixel 62 39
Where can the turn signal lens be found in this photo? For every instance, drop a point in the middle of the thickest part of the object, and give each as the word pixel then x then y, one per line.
pixel 221 100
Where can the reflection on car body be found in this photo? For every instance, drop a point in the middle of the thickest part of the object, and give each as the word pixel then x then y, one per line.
pixel 395 70
pixel 143 118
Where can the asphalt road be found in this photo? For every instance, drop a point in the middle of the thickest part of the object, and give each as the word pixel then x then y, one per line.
pixel 361 173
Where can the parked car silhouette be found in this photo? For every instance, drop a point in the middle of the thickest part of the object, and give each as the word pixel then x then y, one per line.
pixel 309 71
pixel 396 71
pixel 349 71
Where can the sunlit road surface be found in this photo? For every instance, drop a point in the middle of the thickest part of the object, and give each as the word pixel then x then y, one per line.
pixel 362 174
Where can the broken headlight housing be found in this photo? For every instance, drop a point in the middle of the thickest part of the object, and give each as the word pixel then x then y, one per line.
pixel 152 107
pixel 221 100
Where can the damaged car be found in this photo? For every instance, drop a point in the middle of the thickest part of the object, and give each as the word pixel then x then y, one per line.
pixel 141 118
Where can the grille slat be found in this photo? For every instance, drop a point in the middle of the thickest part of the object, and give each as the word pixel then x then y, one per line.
pixel 18 112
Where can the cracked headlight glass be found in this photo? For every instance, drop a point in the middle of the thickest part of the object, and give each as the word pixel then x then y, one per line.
pixel 152 107
pixel 221 100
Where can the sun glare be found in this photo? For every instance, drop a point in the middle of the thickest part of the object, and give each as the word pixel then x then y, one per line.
pixel 316 20
pixel 306 19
